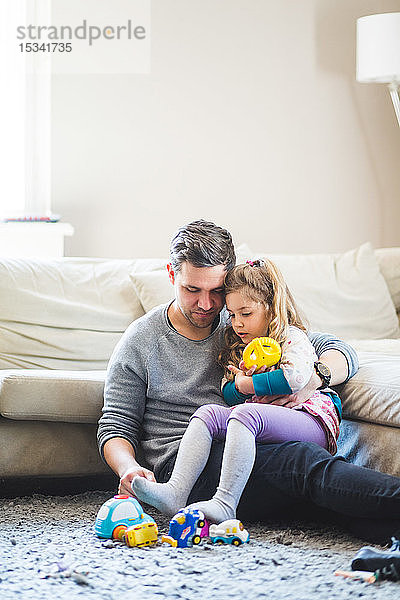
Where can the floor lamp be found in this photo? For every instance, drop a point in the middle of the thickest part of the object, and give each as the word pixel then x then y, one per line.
pixel 378 53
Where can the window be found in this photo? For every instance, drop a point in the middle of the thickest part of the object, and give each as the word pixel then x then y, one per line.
pixel 25 113
pixel 125 510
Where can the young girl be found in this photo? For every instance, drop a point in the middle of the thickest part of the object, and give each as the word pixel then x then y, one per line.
pixel 259 304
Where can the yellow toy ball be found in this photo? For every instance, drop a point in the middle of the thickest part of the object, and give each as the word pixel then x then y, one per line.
pixel 261 351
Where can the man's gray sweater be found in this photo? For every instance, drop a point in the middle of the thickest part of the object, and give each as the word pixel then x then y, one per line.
pixel 157 378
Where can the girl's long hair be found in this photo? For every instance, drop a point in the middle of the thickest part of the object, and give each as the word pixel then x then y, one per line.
pixel 262 282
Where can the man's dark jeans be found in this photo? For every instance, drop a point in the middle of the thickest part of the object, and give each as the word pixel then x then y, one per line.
pixel 297 479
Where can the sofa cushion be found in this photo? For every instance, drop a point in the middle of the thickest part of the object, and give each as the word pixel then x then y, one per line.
pixel 343 294
pixel 65 313
pixel 44 395
pixel 152 288
pixel 389 264
pixel 373 394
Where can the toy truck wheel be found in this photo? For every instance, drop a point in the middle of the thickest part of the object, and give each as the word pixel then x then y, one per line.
pixel 196 540
pixel 201 523
pixel 119 532
pixel 236 542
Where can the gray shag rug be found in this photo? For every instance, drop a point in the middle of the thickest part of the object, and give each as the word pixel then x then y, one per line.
pixel 49 551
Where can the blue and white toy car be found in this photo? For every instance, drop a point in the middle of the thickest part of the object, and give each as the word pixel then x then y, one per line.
pixel 117 514
pixel 229 532
pixel 186 528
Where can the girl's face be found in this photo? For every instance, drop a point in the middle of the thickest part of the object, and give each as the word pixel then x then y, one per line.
pixel 249 319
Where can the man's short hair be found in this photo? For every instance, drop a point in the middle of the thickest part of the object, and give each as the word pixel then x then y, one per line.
pixel 202 244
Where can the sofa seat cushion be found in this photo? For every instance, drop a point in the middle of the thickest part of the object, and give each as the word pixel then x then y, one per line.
pixel 42 395
pixel 373 394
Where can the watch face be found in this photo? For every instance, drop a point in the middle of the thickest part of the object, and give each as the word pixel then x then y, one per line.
pixel 324 370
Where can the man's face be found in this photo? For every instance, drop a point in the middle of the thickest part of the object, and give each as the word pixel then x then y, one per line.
pixel 199 292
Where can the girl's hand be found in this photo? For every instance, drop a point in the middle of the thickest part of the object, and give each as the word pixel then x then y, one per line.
pixel 253 370
pixel 243 383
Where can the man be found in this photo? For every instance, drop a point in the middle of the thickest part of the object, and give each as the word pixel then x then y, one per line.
pixel 165 366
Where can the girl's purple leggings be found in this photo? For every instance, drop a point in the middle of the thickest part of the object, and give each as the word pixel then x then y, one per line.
pixel 268 423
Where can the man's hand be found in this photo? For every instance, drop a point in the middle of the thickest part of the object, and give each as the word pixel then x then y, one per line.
pixel 125 481
pixel 119 454
pixel 295 399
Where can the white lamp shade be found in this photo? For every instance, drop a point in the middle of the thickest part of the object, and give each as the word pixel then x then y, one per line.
pixel 378 48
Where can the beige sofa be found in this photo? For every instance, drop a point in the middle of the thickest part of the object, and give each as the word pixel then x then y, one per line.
pixel 61 318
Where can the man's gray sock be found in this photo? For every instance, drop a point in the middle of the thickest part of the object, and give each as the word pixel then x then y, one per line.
pixel 191 459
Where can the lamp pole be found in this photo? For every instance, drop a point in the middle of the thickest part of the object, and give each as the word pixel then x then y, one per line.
pixel 394 94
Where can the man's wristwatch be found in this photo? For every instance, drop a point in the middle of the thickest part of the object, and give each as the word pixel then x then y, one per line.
pixel 324 373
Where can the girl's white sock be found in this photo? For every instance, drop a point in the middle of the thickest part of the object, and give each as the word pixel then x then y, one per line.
pixel 191 459
pixel 237 464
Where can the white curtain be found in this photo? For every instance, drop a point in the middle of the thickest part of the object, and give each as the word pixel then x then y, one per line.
pixel 25 113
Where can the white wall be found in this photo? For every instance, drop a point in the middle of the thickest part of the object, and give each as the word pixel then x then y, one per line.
pixel 251 117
